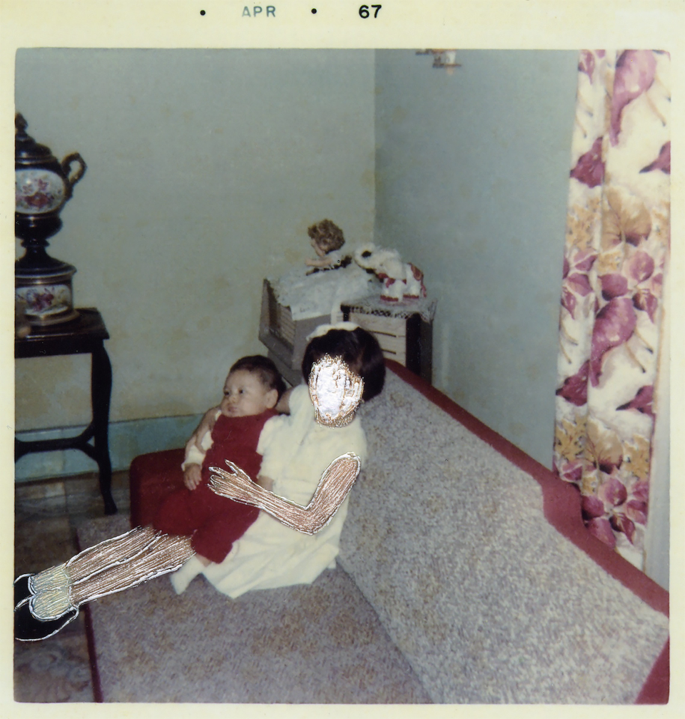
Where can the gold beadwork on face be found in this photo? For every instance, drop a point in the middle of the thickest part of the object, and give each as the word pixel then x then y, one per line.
pixel 335 391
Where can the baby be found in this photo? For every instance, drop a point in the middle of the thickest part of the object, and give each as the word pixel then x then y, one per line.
pixel 251 393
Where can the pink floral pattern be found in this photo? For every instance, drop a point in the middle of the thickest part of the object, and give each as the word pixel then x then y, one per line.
pixel 616 254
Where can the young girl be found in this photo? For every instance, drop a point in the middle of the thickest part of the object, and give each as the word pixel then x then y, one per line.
pixel 299 452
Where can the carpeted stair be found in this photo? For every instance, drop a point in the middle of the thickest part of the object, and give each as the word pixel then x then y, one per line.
pixel 465 576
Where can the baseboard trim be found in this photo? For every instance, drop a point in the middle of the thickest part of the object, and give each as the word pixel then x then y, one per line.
pixel 126 440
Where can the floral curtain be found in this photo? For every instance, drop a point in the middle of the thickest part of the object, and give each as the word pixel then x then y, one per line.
pixel 616 252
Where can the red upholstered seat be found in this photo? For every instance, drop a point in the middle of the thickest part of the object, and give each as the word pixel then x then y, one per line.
pixel 152 478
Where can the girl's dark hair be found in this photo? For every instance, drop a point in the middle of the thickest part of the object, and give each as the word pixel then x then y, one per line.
pixel 359 349
pixel 264 368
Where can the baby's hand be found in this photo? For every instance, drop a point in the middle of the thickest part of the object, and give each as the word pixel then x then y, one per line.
pixel 192 476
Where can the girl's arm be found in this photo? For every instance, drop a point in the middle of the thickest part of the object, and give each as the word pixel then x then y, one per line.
pixel 335 483
pixel 283 406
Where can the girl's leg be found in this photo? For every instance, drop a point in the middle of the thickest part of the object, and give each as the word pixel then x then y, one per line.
pixel 108 567
pixel 94 559
pixel 166 554
pixel 42 615
pixel 176 516
pixel 111 566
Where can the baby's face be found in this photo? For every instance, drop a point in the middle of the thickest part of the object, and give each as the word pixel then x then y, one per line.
pixel 245 395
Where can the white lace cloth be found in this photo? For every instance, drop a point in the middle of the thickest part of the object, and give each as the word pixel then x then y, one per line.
pixel 374 305
pixel 320 293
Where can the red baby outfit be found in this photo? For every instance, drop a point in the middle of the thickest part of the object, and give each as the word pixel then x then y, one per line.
pixel 215 522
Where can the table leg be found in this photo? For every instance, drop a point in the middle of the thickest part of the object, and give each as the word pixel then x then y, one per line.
pixel 101 392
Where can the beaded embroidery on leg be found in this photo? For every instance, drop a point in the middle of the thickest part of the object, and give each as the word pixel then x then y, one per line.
pixel 50 589
pixel 164 554
pixel 110 566
pixel 52 578
pixel 110 552
pixel 51 603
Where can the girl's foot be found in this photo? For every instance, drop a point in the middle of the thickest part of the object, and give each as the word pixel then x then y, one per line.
pixel 41 604
pixel 28 628
pixel 50 580
pixel 22 589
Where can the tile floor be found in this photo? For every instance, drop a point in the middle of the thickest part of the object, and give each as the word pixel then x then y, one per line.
pixel 47 514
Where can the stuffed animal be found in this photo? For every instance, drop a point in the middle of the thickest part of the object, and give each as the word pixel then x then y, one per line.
pixel 401 280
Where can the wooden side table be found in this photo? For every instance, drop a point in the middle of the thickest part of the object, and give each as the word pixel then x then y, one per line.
pixel 84 335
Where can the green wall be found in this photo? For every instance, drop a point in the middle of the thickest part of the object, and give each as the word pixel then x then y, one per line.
pixel 205 168
pixel 471 186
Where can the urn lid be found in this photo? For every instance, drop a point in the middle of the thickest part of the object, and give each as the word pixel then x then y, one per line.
pixel 28 152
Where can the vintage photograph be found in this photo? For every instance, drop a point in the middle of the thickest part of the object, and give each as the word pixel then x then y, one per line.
pixel 342 375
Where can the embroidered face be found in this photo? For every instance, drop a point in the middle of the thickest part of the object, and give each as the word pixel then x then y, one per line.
pixel 245 394
pixel 335 391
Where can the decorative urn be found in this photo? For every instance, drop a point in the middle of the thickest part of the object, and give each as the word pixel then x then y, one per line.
pixel 43 185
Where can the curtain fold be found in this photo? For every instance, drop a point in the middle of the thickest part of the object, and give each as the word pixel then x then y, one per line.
pixel 616 254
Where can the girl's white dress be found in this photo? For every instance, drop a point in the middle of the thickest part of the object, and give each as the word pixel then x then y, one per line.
pixel 296 451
